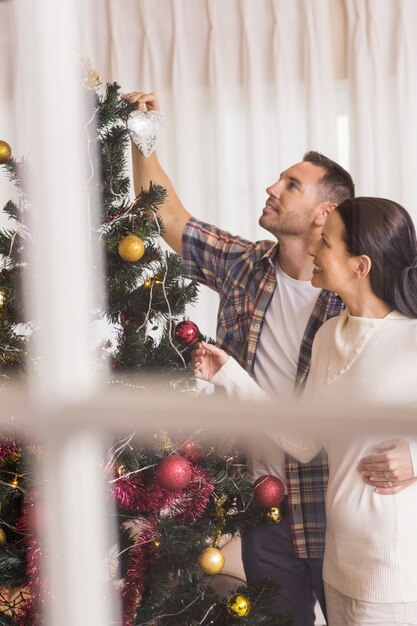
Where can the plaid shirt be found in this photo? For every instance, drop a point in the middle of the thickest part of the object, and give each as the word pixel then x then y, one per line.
pixel 243 274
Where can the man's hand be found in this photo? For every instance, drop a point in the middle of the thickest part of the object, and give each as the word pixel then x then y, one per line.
pixel 207 360
pixel 143 101
pixel 390 470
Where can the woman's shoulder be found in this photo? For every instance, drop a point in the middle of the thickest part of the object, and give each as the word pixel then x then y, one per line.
pixel 401 327
pixel 396 316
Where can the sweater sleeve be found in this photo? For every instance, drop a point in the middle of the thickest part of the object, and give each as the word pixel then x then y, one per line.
pixel 304 449
pixel 237 383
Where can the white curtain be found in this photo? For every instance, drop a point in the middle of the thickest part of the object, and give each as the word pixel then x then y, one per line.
pixel 382 88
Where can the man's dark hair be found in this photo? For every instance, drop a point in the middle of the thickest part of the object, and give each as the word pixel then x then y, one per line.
pixel 336 184
pixel 384 231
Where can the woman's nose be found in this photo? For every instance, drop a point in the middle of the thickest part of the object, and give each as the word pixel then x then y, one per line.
pixel 312 248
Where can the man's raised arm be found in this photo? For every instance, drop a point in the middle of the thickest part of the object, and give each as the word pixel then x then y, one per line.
pixel 146 170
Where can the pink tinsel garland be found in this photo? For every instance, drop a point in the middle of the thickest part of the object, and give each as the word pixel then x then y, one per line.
pixel 134 582
pixel 187 505
pixel 8 449
pixel 36 583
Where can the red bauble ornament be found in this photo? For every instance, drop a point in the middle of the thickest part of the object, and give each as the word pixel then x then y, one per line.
pixel 186 333
pixel 192 452
pixel 173 472
pixel 268 491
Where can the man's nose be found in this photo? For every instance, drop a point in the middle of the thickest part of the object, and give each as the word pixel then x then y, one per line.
pixel 274 189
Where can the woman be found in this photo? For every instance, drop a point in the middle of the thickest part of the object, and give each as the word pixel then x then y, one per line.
pixel 368 255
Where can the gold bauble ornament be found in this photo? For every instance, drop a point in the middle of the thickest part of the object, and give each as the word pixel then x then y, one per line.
pixel 274 514
pixel 2 537
pixel 5 152
pixel 238 605
pixel 211 561
pixel 131 248
pixel 2 299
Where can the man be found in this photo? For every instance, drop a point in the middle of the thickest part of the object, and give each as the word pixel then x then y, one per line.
pixel 268 316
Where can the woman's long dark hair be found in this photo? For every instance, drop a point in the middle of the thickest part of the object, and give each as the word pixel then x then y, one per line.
pixel 384 231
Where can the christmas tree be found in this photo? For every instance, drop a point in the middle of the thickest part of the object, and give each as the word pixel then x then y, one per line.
pixel 146 290
pixel 176 496
pixel 12 341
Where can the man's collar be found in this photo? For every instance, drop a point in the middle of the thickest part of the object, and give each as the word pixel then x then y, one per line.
pixel 270 256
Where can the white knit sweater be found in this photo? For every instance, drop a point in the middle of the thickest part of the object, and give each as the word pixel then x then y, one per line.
pixel 371 539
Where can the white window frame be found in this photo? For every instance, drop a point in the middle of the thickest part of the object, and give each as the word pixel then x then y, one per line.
pixel 69 407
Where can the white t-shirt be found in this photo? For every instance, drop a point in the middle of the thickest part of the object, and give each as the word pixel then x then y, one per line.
pixel 277 358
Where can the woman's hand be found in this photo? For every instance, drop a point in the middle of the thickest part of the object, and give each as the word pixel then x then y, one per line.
pixel 390 469
pixel 207 360
pixel 144 101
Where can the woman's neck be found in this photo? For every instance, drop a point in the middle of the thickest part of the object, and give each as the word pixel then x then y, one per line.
pixel 366 305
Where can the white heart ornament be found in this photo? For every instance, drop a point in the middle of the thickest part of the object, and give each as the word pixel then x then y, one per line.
pixel 144 129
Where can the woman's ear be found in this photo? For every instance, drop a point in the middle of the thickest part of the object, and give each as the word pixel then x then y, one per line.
pixel 362 266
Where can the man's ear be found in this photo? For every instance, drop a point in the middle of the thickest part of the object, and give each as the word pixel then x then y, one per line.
pixel 363 266
pixel 322 212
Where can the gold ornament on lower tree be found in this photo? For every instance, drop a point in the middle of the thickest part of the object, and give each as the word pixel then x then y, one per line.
pixel 2 537
pixel 238 605
pixel 5 152
pixel 131 248
pixel 2 299
pixel 211 561
pixel 274 514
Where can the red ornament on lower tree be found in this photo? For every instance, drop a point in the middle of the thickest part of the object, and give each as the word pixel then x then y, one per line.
pixel 173 472
pixel 186 333
pixel 192 452
pixel 268 491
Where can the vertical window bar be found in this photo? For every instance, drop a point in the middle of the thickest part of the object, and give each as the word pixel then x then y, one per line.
pixel 51 121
